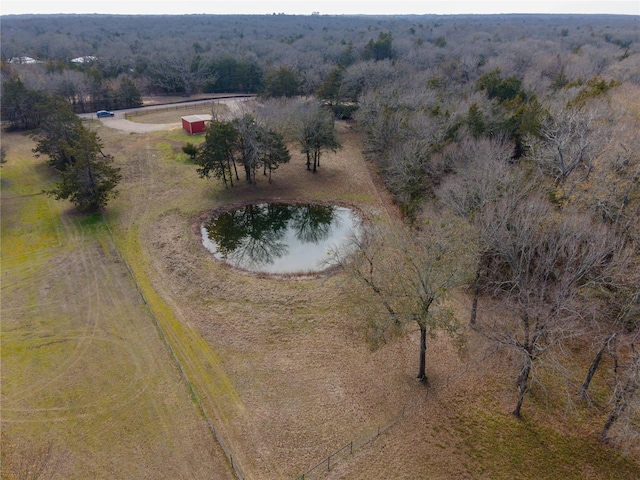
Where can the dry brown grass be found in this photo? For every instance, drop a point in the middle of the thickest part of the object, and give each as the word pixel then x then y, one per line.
pixel 295 355
pixel 282 365
pixel 173 114
pixel 293 349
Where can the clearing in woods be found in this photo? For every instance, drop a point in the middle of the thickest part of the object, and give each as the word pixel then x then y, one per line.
pixel 281 366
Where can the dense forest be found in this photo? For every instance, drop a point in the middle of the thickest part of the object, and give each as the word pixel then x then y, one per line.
pixel 94 59
pixel 522 127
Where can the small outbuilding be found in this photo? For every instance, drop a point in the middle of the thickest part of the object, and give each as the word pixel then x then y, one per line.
pixel 195 123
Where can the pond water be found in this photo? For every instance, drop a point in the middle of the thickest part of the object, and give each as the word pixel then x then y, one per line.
pixel 279 238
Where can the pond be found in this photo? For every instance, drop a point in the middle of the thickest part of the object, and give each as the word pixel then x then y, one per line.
pixel 279 238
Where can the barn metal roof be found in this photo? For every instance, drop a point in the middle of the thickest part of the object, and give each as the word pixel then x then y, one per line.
pixel 197 118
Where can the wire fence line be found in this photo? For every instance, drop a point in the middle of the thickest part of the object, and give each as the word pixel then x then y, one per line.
pixel 234 465
pixel 312 473
pixel 315 471
pixel 325 465
pixel 194 104
pixel 343 452
pixel 320 468
pixel 167 108
pixel 347 449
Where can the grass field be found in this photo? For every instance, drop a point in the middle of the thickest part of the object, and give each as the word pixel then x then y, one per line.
pixel 281 366
pixel 83 366
pixel 172 115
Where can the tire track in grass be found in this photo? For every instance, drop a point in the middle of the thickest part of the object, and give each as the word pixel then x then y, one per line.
pixel 89 408
pixel 87 266
pixel 82 263
pixel 21 265
pixel 87 394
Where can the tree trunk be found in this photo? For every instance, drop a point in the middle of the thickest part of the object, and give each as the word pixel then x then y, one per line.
pixel 476 293
pixel 308 161
pixel 623 398
pixel 235 167
pixel 231 174
pixel 224 177
pixel 611 419
pixel 593 367
pixel 423 353
pixel 523 385
pixel 622 402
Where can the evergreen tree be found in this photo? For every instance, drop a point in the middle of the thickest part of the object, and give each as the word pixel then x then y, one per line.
pixel 88 178
pixel 282 82
pixel 216 156
pixel 19 106
pixel 127 94
pixel 330 88
pixel 275 151
pixel 58 133
pixel 89 181
pixel 243 141
pixel 380 49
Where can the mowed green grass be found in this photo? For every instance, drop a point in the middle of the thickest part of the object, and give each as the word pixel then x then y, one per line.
pixel 83 366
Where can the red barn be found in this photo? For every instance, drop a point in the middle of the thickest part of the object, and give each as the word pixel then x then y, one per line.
pixel 195 123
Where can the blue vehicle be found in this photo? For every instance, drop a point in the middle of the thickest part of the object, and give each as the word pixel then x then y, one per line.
pixel 104 113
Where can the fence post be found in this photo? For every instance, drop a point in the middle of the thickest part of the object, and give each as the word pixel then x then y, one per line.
pixel 329 463
pixel 351 448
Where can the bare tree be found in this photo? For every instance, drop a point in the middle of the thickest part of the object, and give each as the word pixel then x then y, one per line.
pixel 616 313
pixel 613 192
pixel 625 401
pixel 365 77
pixel 181 73
pixel 409 274
pixel 539 264
pixel 315 133
pixel 248 144
pixel 483 175
pixel 572 138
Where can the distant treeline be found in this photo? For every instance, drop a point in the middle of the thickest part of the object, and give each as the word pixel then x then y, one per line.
pixel 107 61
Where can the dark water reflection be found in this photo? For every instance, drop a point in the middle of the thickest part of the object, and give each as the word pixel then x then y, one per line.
pixel 278 237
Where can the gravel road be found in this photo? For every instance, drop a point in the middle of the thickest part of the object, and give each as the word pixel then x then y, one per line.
pixel 120 122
